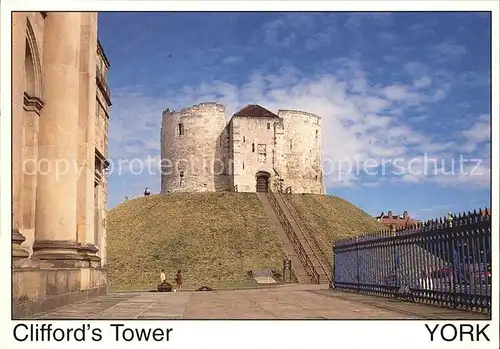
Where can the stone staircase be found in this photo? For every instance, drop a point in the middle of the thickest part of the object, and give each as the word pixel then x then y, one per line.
pixel 319 260
pixel 302 266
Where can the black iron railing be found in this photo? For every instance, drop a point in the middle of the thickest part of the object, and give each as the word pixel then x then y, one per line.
pixel 309 237
pixel 292 236
pixel 103 85
pixel 445 262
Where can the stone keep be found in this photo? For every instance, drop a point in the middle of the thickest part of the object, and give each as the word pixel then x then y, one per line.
pixel 201 152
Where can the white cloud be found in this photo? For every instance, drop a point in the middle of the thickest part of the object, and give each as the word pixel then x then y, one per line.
pixel 358 123
pixel 480 131
pixel 232 59
pixel 276 33
pixel 420 118
pixel 448 49
pixel 423 82
pixel 396 92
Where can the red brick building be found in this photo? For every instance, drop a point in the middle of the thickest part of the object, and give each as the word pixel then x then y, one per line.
pixel 396 221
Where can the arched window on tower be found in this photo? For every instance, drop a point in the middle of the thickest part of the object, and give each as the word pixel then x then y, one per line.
pixel 181 129
pixel 316 133
pixel 253 147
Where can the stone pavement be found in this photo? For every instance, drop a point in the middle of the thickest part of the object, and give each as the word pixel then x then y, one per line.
pixel 282 302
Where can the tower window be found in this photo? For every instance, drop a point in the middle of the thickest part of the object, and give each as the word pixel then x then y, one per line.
pixel 243 139
pixel 243 164
pixel 261 149
pixel 268 126
pixel 290 144
pixel 253 147
pixel 181 129
pixel 316 177
pixel 316 133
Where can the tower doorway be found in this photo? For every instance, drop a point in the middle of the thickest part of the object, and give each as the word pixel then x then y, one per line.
pixel 262 179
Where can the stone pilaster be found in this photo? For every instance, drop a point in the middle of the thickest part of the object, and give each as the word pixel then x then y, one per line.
pixel 55 225
pixel 18 78
pixel 86 136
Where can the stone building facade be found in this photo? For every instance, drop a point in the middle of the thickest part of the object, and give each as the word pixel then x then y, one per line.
pixel 257 150
pixel 60 111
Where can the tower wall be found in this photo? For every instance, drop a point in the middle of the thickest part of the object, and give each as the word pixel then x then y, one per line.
pixel 252 150
pixel 302 149
pixel 194 149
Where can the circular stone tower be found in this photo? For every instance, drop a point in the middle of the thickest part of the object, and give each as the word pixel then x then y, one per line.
pixel 302 150
pixel 193 149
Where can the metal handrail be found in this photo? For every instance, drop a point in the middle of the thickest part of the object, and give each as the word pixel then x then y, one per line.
pixel 309 233
pixel 296 217
pixel 299 249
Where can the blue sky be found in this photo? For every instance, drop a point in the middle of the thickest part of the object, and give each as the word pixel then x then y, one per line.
pixel 390 87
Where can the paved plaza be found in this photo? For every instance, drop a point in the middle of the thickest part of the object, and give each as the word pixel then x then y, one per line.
pixel 282 302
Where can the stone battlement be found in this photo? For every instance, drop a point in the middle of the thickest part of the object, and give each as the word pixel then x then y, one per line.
pixel 284 113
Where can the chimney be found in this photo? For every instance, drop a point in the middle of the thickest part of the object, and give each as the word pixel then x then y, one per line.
pixel 405 215
pixel 389 214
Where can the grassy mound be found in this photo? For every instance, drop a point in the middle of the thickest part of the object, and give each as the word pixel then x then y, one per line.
pixel 214 239
pixel 331 218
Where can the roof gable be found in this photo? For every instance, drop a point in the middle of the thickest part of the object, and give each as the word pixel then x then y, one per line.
pixel 255 111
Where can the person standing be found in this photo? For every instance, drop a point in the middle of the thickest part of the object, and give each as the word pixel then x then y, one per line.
pixel 178 279
pixel 163 276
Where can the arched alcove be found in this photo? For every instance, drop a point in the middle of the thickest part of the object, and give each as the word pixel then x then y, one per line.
pixel 29 76
pixel 32 108
pixel 33 80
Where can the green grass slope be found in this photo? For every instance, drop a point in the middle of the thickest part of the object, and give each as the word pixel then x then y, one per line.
pixel 331 218
pixel 214 239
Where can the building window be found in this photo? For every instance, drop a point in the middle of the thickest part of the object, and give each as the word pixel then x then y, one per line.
pixel 290 144
pixel 268 126
pixel 243 139
pixel 316 133
pixel 253 147
pixel 261 149
pixel 316 177
pixel 181 129
pixel 243 163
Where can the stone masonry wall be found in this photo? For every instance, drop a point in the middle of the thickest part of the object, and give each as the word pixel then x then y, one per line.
pixel 287 147
pixel 194 149
pixel 253 149
pixel 302 151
